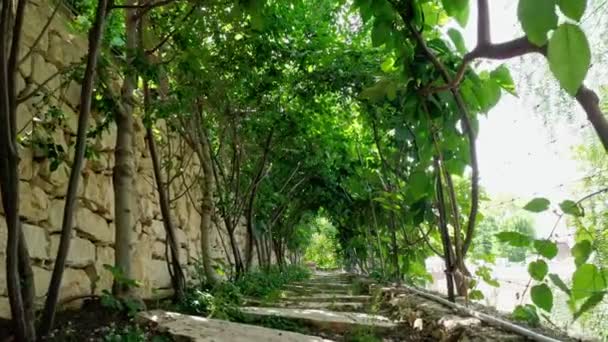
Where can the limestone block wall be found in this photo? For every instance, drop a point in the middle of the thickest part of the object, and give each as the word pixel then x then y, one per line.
pixel 43 191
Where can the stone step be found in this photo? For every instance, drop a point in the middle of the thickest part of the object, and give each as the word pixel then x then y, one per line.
pixel 328 298
pixel 328 305
pixel 316 289
pixel 198 329
pixel 324 285
pixel 333 306
pixel 332 322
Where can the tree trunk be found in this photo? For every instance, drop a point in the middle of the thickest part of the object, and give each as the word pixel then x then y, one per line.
pixel 178 279
pixel 445 236
pixel 95 38
pixel 10 34
pixel 123 179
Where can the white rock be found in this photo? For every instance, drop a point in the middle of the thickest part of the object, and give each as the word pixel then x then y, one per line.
pixel 5 308
pixel 74 283
pixel 33 204
pixel 42 279
pixel 54 52
pixel 99 194
pixel 82 252
pixel 93 225
pixel 37 241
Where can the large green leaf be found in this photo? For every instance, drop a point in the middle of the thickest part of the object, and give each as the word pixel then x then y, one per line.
pixel 538 269
pixel 559 283
pixel 502 76
pixel 587 280
pixel 589 304
pixel 514 239
pixel 537 205
pixel 537 18
pixel 569 56
pixel 581 252
pixel 573 8
pixel 571 208
pixel 527 314
pixel 458 40
pixel 459 9
pixel 542 296
pixel 381 33
pixel 546 248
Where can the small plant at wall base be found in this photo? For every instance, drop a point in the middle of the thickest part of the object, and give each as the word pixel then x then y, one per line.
pixel 128 305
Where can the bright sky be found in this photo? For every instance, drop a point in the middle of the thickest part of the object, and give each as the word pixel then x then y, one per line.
pixel 520 157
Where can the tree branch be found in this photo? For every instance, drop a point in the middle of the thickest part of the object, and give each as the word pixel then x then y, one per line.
pixel 483 23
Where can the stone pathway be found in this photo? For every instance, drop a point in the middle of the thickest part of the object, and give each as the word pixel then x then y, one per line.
pixel 326 305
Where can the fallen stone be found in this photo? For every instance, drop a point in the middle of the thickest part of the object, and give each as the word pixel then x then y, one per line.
pixel 327 321
pixel 199 329
pixel 329 298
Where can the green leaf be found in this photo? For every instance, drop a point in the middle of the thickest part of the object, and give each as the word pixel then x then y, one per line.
pixel 581 252
pixel 571 208
pixel 514 239
pixel 458 9
pixel 574 9
pixel 527 314
pixel 546 248
pixel 387 65
pixel 418 184
pixel 537 205
pixel 569 56
pixel 380 33
pixel 542 296
pixel 589 304
pixel 485 273
pixel 559 283
pixel 587 280
pixel 458 40
pixel 476 295
pixel 502 76
pixel 538 269
pixel 537 18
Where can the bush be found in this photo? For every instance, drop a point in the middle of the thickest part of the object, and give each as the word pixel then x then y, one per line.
pixel 263 283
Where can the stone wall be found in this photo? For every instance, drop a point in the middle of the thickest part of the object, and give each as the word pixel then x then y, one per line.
pixel 43 191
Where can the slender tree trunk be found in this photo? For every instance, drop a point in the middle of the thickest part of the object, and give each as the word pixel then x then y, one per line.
pixel 124 162
pixel 95 38
pixel 445 237
pixel 178 279
pixel 395 249
pixel 11 21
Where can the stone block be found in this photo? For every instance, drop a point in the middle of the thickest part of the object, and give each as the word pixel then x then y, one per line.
pixel 93 225
pixel 42 279
pixel 26 166
pixel 181 237
pixel 3 234
pixel 75 282
pixel 44 73
pixel 56 47
pixel 159 250
pixel 107 140
pixel 158 230
pixel 72 96
pixel 3 289
pixel 99 194
pixel 82 252
pixel 56 215
pixel 157 274
pixel 33 204
pixel 24 119
pixel 5 308
pixel 146 211
pixel 37 241
pixel 105 256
